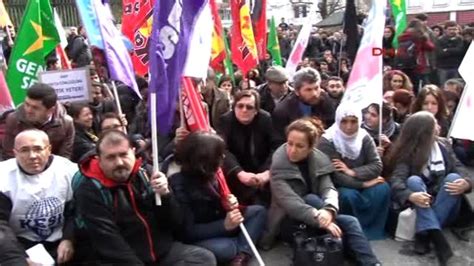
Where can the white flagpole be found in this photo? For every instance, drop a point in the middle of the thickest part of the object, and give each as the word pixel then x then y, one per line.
pixel 117 102
pixel 154 140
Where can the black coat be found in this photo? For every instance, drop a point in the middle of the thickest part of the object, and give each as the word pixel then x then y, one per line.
pixel 289 110
pixel 450 52
pixel 201 205
pixel 249 148
pixel 83 144
pixel 266 99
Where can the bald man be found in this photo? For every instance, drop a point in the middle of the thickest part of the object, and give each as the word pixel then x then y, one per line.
pixel 35 188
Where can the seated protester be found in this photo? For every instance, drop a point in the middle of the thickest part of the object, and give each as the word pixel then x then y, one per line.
pixel 112 121
pixel 35 193
pixel 42 111
pixel 302 189
pixel 117 214
pixel 217 101
pixel 451 101
pixel 363 193
pixel 99 104
pixel 335 89
pixel 430 98
pixel 250 140
pixel 225 86
pixel 427 178
pixel 324 70
pixel 85 138
pixel 390 128
pixel 275 89
pixel 454 85
pixel 402 101
pixel 208 223
pixel 308 99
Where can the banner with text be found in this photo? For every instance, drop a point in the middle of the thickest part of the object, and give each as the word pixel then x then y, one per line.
pixel 70 85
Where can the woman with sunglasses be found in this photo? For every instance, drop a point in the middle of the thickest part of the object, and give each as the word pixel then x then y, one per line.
pixel 249 136
pixel 363 193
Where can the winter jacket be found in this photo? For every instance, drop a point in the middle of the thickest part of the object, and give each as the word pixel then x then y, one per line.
pixel 367 166
pixel 84 143
pixel 60 130
pixel 218 104
pixel 402 171
pixel 79 52
pixel 249 148
pixel 450 52
pixel 422 47
pixel 121 220
pixel 289 110
pixel 288 188
pixel 267 102
pixel 202 208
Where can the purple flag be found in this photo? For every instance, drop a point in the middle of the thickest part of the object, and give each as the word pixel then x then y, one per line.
pixel 118 60
pixel 173 22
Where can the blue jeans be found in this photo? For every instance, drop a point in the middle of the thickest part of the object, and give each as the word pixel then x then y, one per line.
pixel 445 74
pixel 444 209
pixel 225 248
pixel 353 238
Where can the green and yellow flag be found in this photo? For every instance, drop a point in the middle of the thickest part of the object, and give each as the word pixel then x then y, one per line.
pixel 399 11
pixel 273 46
pixel 229 67
pixel 36 38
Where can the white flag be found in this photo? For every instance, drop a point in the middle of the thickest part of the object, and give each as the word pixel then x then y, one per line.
pixel 298 49
pixel 365 81
pixel 200 45
pixel 60 28
pixel 462 126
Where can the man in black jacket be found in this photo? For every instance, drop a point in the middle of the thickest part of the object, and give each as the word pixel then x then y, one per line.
pixel 79 51
pixel 117 214
pixel 308 99
pixel 450 52
pixel 275 89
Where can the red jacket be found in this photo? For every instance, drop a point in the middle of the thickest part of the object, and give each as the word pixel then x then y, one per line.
pixel 422 45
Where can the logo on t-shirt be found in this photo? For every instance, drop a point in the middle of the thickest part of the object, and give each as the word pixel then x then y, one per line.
pixel 43 217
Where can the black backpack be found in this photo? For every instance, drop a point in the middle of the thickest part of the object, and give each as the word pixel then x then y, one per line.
pixel 406 55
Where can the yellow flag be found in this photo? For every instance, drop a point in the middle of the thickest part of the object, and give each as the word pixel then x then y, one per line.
pixel 4 17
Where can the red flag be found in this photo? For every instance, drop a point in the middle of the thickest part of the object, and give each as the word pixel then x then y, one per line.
pixel 218 52
pixel 196 120
pixel 6 102
pixel 62 57
pixel 259 22
pixel 244 50
pixel 136 25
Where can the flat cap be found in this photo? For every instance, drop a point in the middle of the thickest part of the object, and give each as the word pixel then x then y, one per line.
pixel 276 74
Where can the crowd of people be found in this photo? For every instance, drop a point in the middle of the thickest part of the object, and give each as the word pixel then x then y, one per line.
pixel 77 177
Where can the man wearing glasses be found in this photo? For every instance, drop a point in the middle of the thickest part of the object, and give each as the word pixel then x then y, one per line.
pixel 35 191
pixel 41 110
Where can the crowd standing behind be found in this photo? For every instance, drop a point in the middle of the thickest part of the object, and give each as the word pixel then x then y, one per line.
pixel 76 177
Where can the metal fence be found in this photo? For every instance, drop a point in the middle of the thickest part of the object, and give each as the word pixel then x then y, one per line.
pixel 66 9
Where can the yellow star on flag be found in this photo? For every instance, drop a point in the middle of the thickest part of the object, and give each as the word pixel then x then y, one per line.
pixel 398 3
pixel 38 44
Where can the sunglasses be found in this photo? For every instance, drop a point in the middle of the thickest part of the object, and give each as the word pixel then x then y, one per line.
pixel 246 106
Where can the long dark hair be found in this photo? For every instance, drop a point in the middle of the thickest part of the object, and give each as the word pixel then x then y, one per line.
pixel 200 155
pixel 413 145
pixel 436 92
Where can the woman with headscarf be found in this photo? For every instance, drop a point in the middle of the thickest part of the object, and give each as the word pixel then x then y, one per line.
pixel 363 193
pixel 427 177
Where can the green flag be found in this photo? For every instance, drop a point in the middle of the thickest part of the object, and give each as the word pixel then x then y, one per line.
pixel 399 10
pixel 229 68
pixel 36 38
pixel 273 45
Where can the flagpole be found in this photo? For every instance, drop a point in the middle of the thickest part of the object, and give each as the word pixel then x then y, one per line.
pixel 463 95
pixel 154 140
pixel 117 102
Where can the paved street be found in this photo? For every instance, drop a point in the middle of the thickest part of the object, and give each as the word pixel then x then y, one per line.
pixel 389 251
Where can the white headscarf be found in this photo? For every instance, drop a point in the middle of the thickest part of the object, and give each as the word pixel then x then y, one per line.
pixel 348 146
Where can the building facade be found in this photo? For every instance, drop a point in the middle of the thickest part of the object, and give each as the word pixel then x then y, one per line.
pixel 439 11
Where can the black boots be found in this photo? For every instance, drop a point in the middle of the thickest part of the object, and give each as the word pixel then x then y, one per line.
pixel 441 245
pixel 422 244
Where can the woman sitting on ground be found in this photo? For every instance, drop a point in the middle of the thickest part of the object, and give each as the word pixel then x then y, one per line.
pixel 85 138
pixel 207 223
pixel 302 189
pixel 426 177
pixel 363 193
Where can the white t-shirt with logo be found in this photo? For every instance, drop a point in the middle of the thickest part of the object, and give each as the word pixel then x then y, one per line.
pixel 38 201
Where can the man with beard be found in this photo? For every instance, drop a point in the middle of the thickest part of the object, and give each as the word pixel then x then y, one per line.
pixel 308 99
pixel 335 89
pixel 117 215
